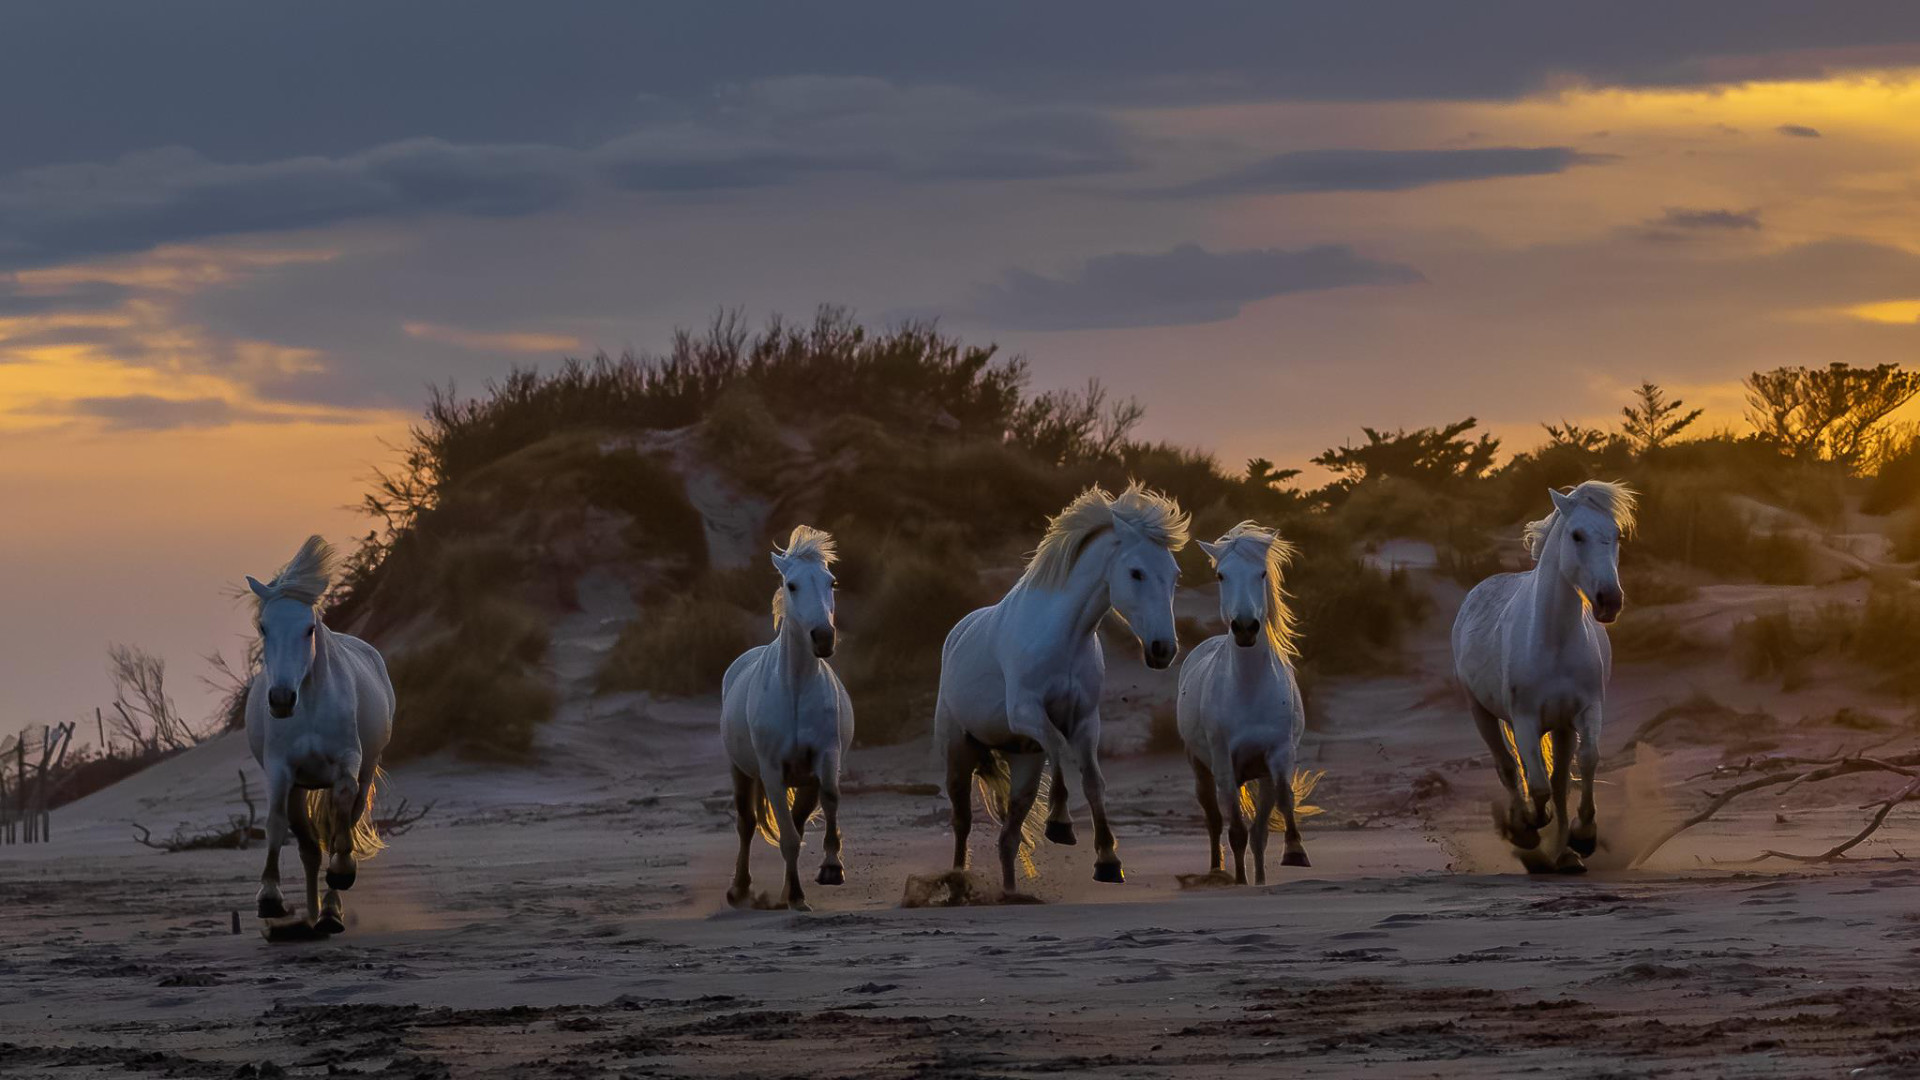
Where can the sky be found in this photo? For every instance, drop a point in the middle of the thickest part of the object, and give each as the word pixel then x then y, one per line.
pixel 238 240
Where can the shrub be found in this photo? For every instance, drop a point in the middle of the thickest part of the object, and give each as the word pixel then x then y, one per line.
pixel 894 636
pixel 1768 647
pixel 476 691
pixel 681 647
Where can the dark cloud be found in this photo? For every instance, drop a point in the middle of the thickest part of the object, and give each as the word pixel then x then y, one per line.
pixel 248 82
pixel 90 296
pixel 145 412
pixel 1798 131
pixel 1385 170
pixel 1186 285
pixel 758 136
pixel 1676 217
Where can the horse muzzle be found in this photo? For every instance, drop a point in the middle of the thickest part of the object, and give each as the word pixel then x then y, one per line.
pixel 1245 632
pixel 1607 604
pixel 280 703
pixel 822 642
pixel 1160 653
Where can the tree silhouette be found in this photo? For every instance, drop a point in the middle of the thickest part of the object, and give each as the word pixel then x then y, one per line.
pixel 1832 413
pixel 1652 421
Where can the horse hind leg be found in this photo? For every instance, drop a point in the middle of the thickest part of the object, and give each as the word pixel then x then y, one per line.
pixel 1516 826
pixel 1566 859
pixel 746 809
pixel 963 758
pixel 1059 821
pixel 1210 807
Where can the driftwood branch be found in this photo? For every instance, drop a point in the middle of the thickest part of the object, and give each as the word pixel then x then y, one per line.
pixel 1787 773
pixel 240 832
pixel 1838 852
pixel 400 821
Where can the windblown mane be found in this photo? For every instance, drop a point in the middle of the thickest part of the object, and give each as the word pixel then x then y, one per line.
pixel 1612 498
pixel 1265 544
pixel 305 577
pixel 805 542
pixel 1092 512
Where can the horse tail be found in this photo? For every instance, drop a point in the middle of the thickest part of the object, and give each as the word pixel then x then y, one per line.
pixel 1302 782
pixel 363 841
pixel 994 777
pixel 768 825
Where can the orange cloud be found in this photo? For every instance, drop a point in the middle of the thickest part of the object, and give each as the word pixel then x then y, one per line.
pixel 517 342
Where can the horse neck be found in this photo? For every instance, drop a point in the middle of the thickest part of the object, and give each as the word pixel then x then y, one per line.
pixel 1557 606
pixel 794 652
pixel 1083 601
pixel 1248 666
pixel 325 652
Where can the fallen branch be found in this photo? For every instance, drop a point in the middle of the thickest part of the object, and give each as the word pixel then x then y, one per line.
pixel 399 822
pixel 1838 853
pixel 239 833
pixel 1903 765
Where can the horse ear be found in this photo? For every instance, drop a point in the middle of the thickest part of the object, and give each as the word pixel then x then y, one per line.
pixel 1214 551
pixel 780 563
pixel 259 590
pixel 1562 501
pixel 1125 529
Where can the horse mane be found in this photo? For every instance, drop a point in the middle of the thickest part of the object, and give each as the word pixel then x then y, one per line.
pixel 1610 497
pixel 1276 553
pixel 1092 512
pixel 805 542
pixel 305 577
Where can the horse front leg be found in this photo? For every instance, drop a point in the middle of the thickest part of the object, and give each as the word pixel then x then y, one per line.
pixel 1262 824
pixel 297 818
pixel 963 758
pixel 1514 824
pixel 351 786
pixel 1059 821
pixel 774 781
pixel 1565 859
pixel 1210 807
pixel 1086 744
pixel 1027 771
pixel 1296 852
pixel 270 904
pixel 1584 838
pixel 1227 794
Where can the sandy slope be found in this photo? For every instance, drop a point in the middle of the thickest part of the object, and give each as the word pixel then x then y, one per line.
pixel 565 919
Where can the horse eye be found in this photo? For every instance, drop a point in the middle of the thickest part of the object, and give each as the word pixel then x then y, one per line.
pixel 1217 576
pixel 1137 575
pixel 1579 537
pixel 309 631
pixel 791 587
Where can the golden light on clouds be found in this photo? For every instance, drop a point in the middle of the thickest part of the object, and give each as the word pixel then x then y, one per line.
pixel 171 268
pixel 482 341
pixel 1894 312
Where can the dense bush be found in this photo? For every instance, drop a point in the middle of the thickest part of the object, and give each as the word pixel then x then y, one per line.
pixel 681 647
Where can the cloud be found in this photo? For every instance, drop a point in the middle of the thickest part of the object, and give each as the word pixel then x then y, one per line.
pixel 1798 131
pixel 147 412
pixel 1385 170
pixel 1676 217
pixel 484 341
pixel 1185 285
pixel 763 134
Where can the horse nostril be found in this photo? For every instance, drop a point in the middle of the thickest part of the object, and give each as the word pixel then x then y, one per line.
pixel 822 642
pixel 1161 652
pixel 1244 630
pixel 280 700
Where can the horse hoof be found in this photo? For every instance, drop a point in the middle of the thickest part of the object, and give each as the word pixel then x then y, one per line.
pixel 1584 845
pixel 1525 839
pixel 272 907
pixel 1061 832
pixel 329 923
pixel 341 882
pixel 1108 872
pixel 832 875
pixel 1294 858
pixel 740 896
pixel 799 905
pixel 1569 863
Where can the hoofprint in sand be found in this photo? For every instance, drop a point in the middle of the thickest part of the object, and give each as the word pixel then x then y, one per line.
pixel 568 917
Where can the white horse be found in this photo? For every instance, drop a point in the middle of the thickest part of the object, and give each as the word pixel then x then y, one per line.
pixel 1022 679
pixel 1531 651
pixel 319 714
pixel 787 722
pixel 1239 707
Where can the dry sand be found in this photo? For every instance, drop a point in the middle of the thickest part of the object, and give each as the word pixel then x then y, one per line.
pixel 567 920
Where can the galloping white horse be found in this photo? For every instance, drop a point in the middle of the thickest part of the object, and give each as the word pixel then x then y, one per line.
pixel 1530 650
pixel 319 714
pixel 1239 707
pixel 1022 678
pixel 787 722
